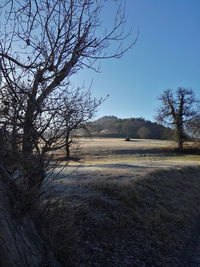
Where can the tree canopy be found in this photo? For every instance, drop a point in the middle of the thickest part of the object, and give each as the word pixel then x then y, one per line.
pixel 111 126
pixel 176 110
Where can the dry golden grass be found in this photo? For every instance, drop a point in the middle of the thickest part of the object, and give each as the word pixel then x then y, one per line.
pixel 111 150
pixel 115 157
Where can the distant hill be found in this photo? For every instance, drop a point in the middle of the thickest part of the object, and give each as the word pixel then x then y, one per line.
pixel 111 126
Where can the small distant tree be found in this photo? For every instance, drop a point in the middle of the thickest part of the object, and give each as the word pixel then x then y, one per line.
pixel 176 110
pixel 143 132
pixel 77 109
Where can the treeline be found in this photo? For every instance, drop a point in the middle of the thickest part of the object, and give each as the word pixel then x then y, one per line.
pixel 111 126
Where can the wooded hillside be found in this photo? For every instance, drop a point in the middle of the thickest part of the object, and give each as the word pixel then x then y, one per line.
pixel 111 126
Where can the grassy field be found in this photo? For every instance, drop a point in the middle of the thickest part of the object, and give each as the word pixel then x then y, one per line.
pixel 115 157
pixel 116 149
pixel 125 204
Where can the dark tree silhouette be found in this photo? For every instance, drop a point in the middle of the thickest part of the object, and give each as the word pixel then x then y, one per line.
pixel 45 43
pixel 177 109
pixel 42 44
pixel 193 128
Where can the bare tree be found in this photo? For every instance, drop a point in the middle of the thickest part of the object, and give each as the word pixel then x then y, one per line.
pixel 176 110
pixel 193 128
pixel 78 108
pixel 42 44
pixel 68 113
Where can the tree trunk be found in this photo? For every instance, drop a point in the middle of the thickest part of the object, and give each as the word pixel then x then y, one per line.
pixel 28 129
pixel 180 144
pixel 27 144
pixel 14 132
pixel 67 152
pixel 20 244
pixel 180 133
pixel 67 146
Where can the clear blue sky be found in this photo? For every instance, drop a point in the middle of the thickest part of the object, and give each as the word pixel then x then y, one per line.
pixel 166 55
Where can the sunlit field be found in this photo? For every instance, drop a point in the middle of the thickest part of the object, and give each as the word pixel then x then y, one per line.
pixel 114 156
pixel 116 150
pixel 75 75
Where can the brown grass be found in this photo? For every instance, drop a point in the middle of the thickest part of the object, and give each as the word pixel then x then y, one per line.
pixel 94 151
pixel 143 221
pixel 131 204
